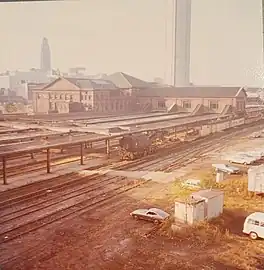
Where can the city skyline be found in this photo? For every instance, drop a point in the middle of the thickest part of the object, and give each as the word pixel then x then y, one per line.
pixel 225 49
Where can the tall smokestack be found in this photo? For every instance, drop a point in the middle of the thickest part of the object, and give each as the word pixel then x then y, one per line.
pixel 262 33
pixel 181 42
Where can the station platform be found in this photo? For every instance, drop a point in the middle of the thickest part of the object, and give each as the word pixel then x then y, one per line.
pixel 57 170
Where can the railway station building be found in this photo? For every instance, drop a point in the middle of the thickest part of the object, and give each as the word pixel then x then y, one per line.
pixel 121 92
pixel 200 99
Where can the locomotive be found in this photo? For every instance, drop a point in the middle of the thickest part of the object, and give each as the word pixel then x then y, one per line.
pixel 135 146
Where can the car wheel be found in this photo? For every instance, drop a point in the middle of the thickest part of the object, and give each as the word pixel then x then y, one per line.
pixel 135 217
pixel 156 221
pixel 253 236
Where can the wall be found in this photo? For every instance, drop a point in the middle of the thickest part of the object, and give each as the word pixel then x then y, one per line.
pixel 4 82
pixel 40 102
pixel 189 212
pixel 256 179
pixel 35 76
pixel 21 90
pixel 222 102
pixel 214 206
pixel 199 101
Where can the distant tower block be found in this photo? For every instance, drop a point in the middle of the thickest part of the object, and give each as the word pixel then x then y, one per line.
pixel 45 60
pixel 182 42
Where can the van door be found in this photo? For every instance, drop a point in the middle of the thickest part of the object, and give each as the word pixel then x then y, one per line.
pixel 261 229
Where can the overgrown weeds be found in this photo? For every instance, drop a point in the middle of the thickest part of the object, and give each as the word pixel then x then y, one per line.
pixel 221 239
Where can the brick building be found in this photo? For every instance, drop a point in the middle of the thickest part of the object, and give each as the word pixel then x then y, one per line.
pixel 132 88
pixel 66 95
pixel 200 99
pixel 120 92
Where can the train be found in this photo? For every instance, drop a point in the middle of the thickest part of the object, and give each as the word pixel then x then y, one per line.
pixel 135 146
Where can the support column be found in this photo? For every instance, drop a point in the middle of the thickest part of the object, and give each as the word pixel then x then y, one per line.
pixel 82 150
pixel 48 160
pixel 4 171
pixel 107 142
pixel 175 132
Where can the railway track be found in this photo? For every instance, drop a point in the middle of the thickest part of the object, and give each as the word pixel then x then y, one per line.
pixel 190 151
pixel 186 155
pixel 11 231
pixel 57 196
pixel 74 186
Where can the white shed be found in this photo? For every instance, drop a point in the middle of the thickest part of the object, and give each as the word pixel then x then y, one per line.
pixel 214 201
pixel 189 211
pixel 256 179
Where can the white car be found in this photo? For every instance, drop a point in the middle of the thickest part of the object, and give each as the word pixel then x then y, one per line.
pixel 242 158
pixel 153 214
pixel 226 168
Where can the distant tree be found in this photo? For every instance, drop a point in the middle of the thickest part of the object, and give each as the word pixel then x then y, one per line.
pixel 11 108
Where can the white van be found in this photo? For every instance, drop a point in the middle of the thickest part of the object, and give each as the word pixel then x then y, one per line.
pixel 254 225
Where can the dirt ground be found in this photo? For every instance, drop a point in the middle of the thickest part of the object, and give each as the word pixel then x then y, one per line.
pixel 108 238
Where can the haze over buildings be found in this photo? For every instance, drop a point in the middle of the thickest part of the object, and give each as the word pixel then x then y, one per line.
pixel 225 40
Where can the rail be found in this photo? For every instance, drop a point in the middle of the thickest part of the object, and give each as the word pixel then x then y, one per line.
pixel 82 140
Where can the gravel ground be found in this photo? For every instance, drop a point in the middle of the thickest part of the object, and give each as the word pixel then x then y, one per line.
pixel 107 238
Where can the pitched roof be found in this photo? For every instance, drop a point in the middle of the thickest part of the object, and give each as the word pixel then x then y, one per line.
pixel 207 193
pixel 194 91
pixel 37 85
pixel 85 83
pixel 93 84
pixel 123 80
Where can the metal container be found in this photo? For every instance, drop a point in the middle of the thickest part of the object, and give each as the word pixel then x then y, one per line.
pixel 256 179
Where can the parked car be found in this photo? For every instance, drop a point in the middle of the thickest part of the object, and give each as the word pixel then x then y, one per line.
pixel 254 225
pixel 193 183
pixel 226 168
pixel 255 135
pixel 153 215
pixel 242 158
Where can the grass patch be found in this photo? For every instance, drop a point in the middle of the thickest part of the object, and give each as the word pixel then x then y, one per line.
pixel 220 241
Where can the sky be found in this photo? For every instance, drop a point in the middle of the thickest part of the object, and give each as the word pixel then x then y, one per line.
pixel 129 36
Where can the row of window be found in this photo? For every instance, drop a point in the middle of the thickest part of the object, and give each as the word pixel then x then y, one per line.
pixel 98 107
pixel 56 96
pixel 60 106
pixel 213 105
pixel 255 222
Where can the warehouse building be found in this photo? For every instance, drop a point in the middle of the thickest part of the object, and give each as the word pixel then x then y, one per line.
pixel 120 92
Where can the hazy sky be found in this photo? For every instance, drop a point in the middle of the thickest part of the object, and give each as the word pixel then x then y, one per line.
pixel 129 36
